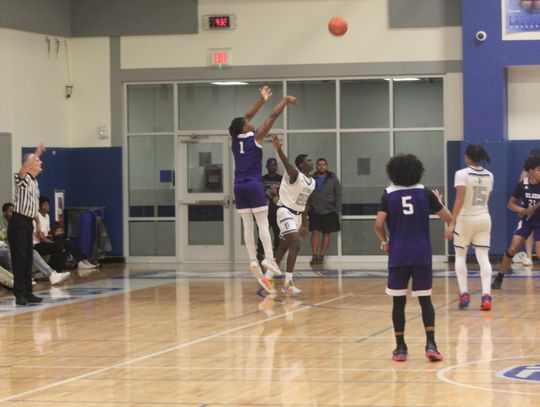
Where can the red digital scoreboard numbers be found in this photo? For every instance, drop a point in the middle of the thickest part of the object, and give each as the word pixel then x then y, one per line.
pixel 222 22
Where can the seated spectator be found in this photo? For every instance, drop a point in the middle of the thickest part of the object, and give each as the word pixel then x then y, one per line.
pixel 43 269
pixel 57 243
pixel 43 242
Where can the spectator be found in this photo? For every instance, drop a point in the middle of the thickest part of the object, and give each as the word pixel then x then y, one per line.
pixel 43 242
pixel 271 182
pixel 67 248
pixel 44 271
pixel 324 210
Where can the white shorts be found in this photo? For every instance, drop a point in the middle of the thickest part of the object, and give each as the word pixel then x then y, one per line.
pixel 473 229
pixel 287 221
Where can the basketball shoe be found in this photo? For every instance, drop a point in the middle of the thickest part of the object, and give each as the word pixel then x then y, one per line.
pixel 486 303
pixel 400 353
pixel 289 288
pixel 272 266
pixel 464 300
pixel 432 353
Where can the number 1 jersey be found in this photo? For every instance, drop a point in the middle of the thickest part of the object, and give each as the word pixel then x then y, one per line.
pixel 247 158
pixel 408 210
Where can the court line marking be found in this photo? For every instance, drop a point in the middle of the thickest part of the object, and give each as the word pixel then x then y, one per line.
pixel 284 369
pixel 441 375
pixel 161 352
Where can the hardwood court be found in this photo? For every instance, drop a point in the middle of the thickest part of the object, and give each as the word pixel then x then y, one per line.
pixel 202 336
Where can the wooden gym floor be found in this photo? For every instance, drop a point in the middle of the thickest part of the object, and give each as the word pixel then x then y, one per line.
pixel 204 335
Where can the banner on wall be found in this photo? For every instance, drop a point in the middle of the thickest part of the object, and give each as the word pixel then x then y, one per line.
pixel 59 206
pixel 522 15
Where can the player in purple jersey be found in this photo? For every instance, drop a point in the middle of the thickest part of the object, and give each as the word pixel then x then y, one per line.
pixel 525 201
pixel 405 208
pixel 249 193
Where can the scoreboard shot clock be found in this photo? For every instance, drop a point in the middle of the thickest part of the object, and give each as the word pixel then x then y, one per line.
pixel 215 22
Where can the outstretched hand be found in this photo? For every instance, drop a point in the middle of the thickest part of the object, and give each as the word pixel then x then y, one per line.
pixel 292 100
pixel 265 92
pixel 40 150
pixel 277 142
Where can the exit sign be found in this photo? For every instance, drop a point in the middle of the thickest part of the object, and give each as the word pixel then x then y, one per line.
pixel 219 58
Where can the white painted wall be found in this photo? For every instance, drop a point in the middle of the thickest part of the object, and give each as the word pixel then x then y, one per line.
pixel 453 106
pixel 523 108
pixel 33 106
pixel 90 105
pixel 273 32
pixel 32 103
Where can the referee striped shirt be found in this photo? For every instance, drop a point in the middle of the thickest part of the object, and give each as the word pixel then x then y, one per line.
pixel 26 200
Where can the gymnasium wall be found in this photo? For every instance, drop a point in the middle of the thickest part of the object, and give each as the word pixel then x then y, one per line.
pixel 89 177
pixel 295 32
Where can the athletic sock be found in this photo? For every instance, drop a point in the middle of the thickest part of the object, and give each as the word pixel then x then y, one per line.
pixel 288 278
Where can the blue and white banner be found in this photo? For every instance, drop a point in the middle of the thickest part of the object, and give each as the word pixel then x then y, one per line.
pixel 522 15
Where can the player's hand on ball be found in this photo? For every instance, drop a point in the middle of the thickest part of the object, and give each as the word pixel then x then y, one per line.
pixel 303 232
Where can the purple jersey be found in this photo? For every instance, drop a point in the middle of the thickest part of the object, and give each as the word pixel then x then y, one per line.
pixel 247 158
pixel 408 210
pixel 529 195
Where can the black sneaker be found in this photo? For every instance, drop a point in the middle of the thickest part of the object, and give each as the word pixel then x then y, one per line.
pixel 400 353
pixel 497 282
pixel 314 259
pixel 320 260
pixel 432 353
pixel 33 299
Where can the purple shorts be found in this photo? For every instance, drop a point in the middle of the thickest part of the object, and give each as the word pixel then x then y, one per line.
pixel 524 230
pixel 398 280
pixel 250 197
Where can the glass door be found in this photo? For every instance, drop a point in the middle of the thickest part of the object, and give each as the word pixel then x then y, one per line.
pixel 205 204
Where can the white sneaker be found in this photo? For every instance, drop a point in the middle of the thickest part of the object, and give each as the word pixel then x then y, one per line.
pixel 272 266
pixel 289 288
pixel 57 278
pixel 90 264
pixel 83 264
pixel 527 262
pixel 267 284
pixel 6 278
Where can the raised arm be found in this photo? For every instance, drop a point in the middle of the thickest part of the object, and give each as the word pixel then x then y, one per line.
pixel 292 171
pixel 32 162
pixel 265 93
pixel 263 130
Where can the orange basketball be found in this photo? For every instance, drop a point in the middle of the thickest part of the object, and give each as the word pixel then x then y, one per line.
pixel 337 26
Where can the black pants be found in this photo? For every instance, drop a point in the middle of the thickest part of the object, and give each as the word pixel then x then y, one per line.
pixel 56 251
pixel 70 247
pixel 20 231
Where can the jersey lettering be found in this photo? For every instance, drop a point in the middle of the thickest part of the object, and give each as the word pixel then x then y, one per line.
pixel 480 194
pixel 408 208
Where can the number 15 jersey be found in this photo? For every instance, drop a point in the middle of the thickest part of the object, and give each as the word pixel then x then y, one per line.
pixel 478 183
pixel 408 210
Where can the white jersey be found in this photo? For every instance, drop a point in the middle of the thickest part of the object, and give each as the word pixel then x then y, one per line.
pixel 295 196
pixel 478 183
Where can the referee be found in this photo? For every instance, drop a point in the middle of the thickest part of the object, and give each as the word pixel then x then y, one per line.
pixel 20 228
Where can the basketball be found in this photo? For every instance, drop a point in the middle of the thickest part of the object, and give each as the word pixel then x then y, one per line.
pixel 337 26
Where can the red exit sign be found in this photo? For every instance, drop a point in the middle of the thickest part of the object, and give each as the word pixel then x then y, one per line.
pixel 219 58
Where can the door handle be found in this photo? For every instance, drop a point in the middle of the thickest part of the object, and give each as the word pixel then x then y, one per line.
pixel 226 201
